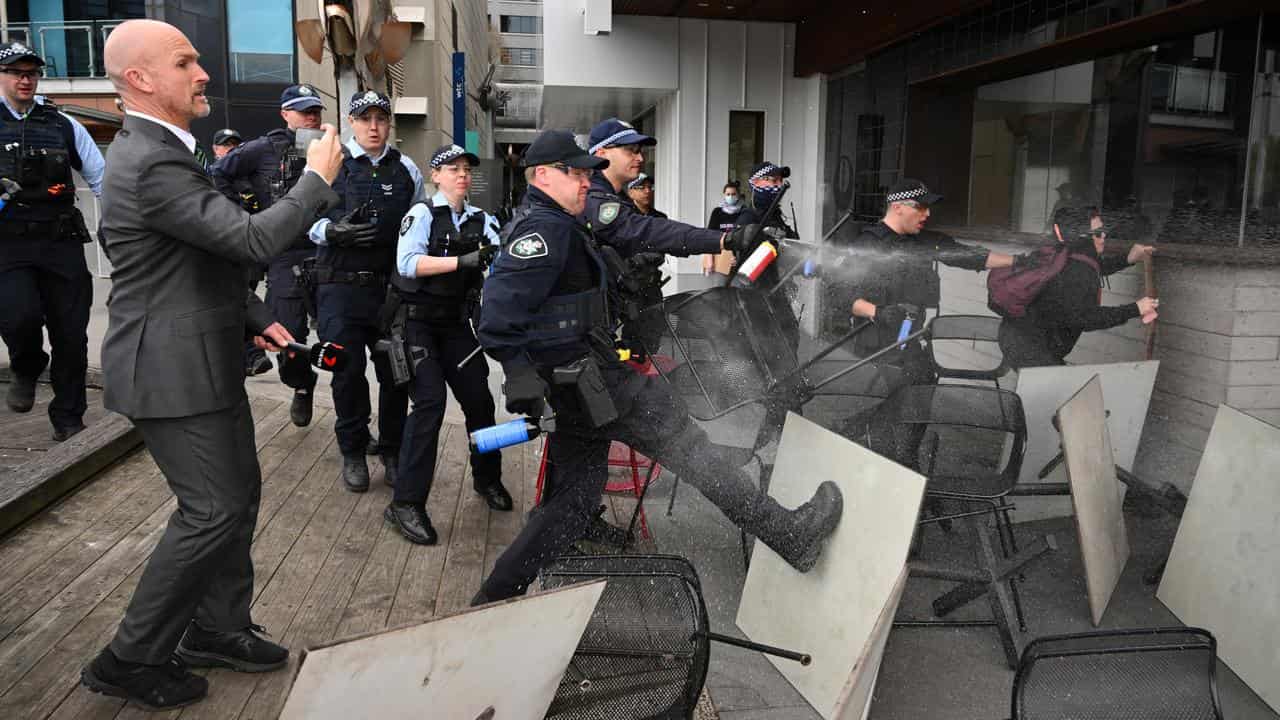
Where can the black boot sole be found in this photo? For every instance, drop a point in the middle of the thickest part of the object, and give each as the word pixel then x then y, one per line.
pixel 196 658
pixel 96 685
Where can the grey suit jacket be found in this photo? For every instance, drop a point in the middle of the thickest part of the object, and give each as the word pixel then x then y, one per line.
pixel 180 304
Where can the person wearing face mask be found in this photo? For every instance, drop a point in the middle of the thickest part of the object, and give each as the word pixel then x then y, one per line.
pixel 767 183
pixel 272 166
pixel 724 218
pixel 354 261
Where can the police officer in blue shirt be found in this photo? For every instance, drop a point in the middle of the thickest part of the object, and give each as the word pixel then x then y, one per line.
pixel 44 280
pixel 354 263
pixel 272 165
pixel 546 317
pixel 444 247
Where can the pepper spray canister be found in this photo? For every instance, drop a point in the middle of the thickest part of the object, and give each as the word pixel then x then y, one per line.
pixel 755 265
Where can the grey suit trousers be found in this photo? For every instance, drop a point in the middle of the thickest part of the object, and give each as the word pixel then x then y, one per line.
pixel 201 568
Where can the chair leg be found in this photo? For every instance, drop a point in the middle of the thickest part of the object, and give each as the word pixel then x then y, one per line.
pixel 671 504
pixel 542 475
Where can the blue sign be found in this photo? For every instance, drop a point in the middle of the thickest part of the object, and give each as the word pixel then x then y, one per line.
pixel 459 97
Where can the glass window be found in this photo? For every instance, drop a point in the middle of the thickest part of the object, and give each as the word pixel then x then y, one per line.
pixel 526 24
pixel 527 57
pixel 1262 186
pixel 260 41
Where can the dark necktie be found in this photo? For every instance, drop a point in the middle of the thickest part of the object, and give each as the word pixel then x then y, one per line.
pixel 201 157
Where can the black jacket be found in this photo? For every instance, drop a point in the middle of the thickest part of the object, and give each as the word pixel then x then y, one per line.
pixel 1067 306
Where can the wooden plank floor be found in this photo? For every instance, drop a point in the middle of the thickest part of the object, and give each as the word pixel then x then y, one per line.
pixel 27 436
pixel 326 562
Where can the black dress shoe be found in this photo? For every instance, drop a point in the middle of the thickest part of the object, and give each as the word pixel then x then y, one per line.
pixel 390 469
pixel 62 433
pixel 495 496
pixel 301 408
pixel 22 393
pixel 355 472
pixel 412 522
pixel 241 650
pixel 153 687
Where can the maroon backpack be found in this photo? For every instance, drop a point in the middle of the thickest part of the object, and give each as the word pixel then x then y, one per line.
pixel 1011 289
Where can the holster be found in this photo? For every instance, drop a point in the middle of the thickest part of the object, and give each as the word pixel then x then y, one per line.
pixel 588 382
pixel 402 358
pixel 71 226
pixel 304 276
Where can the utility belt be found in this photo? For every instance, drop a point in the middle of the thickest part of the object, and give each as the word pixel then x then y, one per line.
pixel 325 275
pixel 584 378
pixel 68 226
pixel 446 311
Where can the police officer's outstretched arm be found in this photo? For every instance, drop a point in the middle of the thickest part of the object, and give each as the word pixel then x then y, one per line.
pixel 237 165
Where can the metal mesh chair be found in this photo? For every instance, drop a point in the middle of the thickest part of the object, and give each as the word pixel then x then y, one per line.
pixel 1149 674
pixel 644 654
pixel 981 332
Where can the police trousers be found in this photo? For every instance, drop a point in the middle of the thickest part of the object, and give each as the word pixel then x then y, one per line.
pixel 348 316
pixel 447 344
pixel 45 283
pixel 285 300
pixel 653 421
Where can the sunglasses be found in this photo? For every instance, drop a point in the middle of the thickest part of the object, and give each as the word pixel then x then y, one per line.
pixel 23 74
pixel 575 173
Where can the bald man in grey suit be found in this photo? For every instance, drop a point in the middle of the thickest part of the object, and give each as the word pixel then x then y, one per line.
pixel 180 310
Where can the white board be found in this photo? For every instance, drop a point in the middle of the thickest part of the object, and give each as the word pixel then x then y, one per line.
pixel 856 700
pixel 832 611
pixel 1095 493
pixel 501 661
pixel 1126 387
pixel 1224 570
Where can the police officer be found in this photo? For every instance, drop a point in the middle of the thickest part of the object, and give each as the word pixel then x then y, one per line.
pixel 356 257
pixel 44 280
pixel 640 191
pixel 224 141
pixel 444 247
pixel 895 277
pixel 272 165
pixel 547 319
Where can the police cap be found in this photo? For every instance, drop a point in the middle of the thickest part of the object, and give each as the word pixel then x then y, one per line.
pixel 300 97
pixel 614 132
pixel 446 154
pixel 909 189
pixel 768 169
pixel 226 135
pixel 640 181
pixel 15 52
pixel 558 146
pixel 362 102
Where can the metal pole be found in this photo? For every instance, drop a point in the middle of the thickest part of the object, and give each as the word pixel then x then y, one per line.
pixel 4 21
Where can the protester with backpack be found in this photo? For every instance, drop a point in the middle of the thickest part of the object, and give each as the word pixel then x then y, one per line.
pixel 1049 302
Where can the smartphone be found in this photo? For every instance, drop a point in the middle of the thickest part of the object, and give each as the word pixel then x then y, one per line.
pixel 302 138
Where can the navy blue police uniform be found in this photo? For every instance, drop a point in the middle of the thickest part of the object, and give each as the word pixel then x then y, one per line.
pixel 351 275
pixel 439 318
pixel 44 280
pixel 616 221
pixel 272 166
pixel 547 307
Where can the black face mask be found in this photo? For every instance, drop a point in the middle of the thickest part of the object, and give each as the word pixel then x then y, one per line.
pixel 762 197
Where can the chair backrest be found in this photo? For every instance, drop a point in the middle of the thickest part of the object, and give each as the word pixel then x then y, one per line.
pixel 1146 674
pixel 645 653
pixel 976 423
pixel 950 334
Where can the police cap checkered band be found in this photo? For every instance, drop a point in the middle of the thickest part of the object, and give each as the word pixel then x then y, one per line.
pixel 448 153
pixel 766 169
pixel 361 102
pixel 15 51
pixel 914 190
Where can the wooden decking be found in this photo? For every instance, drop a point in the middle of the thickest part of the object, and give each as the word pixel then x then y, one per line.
pixel 28 436
pixel 327 565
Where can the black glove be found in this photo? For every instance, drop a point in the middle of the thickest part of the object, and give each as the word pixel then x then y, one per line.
pixel 891 316
pixel 348 231
pixel 478 259
pixel 525 391
pixel 743 239
pixel 1025 261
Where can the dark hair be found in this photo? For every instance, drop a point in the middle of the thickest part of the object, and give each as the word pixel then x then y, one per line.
pixel 732 184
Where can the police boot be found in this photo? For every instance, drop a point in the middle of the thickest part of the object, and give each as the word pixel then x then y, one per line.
pixel 601 532
pixel 355 472
pixel 300 408
pixel 798 535
pixel 22 393
pixel 412 521
pixel 390 469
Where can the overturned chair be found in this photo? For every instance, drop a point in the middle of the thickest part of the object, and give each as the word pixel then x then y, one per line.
pixel 644 655
pixel 968 442
pixel 1148 674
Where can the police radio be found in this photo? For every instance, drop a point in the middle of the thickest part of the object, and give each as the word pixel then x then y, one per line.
pixel 325 356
